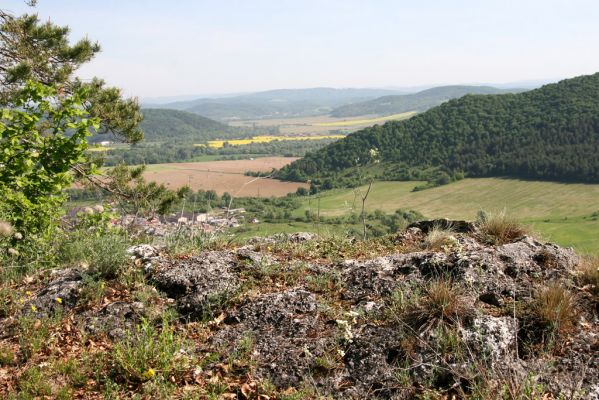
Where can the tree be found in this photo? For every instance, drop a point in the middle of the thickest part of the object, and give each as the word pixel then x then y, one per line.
pixel 136 196
pixel 37 154
pixel 32 50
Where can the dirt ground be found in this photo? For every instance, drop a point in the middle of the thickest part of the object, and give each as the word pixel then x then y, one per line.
pixel 225 176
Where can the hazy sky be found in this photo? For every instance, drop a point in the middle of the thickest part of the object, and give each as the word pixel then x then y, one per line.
pixel 177 47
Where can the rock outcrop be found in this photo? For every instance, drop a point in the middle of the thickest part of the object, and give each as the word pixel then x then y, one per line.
pixel 452 320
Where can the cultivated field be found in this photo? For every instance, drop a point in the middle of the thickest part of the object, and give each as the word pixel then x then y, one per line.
pixel 225 176
pixel 217 144
pixel 321 124
pixel 559 212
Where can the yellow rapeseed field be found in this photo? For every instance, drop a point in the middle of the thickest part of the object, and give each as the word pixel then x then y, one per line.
pixel 265 139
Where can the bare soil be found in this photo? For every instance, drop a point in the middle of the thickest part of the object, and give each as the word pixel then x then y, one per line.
pixel 225 176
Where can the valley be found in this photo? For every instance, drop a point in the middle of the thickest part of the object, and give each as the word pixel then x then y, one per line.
pixel 565 213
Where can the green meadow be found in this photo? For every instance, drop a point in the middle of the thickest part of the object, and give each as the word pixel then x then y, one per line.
pixel 565 213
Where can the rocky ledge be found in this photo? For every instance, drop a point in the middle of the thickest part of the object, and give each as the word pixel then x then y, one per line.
pixel 462 318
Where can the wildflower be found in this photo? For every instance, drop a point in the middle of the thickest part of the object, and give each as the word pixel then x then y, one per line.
pixel 149 374
pixel 13 252
pixel 33 308
pixel 28 293
pixel 18 236
pixel 59 300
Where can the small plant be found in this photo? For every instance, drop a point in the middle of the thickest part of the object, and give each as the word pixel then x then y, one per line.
pixel 104 254
pixel 35 334
pixel 148 352
pixel 7 356
pixel 33 383
pixel 499 228
pixel 92 292
pixel 324 282
pixel 242 355
pixel 438 237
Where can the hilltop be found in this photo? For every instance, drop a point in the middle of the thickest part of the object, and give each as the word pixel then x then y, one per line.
pixel 441 309
pixel 421 101
pixel 550 133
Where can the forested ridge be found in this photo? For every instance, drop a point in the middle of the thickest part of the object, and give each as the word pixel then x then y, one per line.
pixel 168 125
pixel 421 101
pixel 550 133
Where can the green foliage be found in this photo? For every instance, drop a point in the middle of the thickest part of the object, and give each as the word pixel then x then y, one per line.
pixel 37 155
pixel 105 254
pixel 547 133
pixel 168 125
pixel 149 352
pixel 40 51
pixel 135 195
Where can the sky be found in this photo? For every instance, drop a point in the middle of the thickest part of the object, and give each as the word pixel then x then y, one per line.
pixel 160 48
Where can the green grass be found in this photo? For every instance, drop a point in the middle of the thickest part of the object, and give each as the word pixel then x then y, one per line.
pixel 558 212
pixel 267 229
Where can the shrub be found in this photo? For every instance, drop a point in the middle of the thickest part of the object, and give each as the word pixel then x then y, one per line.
pixel 499 228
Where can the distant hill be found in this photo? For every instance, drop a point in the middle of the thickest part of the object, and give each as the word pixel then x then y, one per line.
pixel 175 125
pixel 550 133
pixel 421 101
pixel 282 103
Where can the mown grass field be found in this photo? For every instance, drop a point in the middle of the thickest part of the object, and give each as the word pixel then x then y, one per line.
pixel 367 121
pixel 558 212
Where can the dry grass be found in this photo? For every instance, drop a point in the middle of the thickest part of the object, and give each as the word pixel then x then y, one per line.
pixel 500 228
pixel 438 238
pixel 440 305
pixel 555 308
pixel 589 274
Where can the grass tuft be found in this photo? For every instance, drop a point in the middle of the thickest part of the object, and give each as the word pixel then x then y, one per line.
pixel 589 274
pixel 149 352
pixel 441 304
pixel 438 237
pixel 499 228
